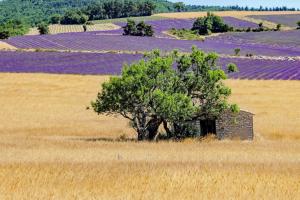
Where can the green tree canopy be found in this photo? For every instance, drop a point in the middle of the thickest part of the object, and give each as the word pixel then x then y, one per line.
pixel 130 28
pixel 298 24
pixel 152 92
pixel 179 6
pixel 210 24
pixel 12 28
pixel 43 29
pixel 278 27
pixel 37 11
pixel 74 17
pixel 55 19
pixel 140 29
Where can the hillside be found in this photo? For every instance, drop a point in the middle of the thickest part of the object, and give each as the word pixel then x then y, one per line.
pixel 35 11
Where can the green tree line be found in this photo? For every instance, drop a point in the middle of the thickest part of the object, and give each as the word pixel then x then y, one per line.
pixel 12 28
pixel 36 11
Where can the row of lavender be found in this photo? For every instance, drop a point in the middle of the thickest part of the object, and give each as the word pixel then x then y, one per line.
pixel 111 64
pixel 93 42
pixel 288 40
pixel 288 20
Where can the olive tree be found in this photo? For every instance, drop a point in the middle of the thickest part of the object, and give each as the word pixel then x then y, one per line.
pixel 144 94
pixel 168 90
pixel 202 80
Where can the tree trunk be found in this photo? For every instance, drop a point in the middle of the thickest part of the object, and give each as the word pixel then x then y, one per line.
pixel 141 134
pixel 152 128
pixel 168 131
pixel 149 131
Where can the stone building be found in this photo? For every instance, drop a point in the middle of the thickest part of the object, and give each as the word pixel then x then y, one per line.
pixel 228 126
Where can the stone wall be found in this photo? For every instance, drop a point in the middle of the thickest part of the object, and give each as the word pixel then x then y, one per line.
pixel 235 126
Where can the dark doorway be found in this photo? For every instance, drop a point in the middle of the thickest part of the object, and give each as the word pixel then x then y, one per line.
pixel 208 127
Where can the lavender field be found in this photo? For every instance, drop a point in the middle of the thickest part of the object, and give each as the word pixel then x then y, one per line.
pixel 111 64
pixel 264 69
pixel 238 23
pixel 288 20
pixel 224 44
pixel 64 63
pixel 285 40
pixel 160 26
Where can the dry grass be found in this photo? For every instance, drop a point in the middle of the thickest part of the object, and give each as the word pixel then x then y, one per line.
pixel 43 104
pixel 40 104
pixel 276 105
pixel 5 46
pixel 57 28
pixel 62 168
pixel 184 15
pixel 51 147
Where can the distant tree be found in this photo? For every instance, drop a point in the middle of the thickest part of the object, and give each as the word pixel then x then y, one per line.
pixel 231 67
pixel 249 55
pixel 278 27
pixel 37 11
pixel 148 31
pixel 43 29
pixel 210 24
pixel 298 23
pixel 148 8
pixel 12 28
pixel 4 34
pixel 237 51
pixel 130 28
pixel 249 29
pixel 260 25
pixel 84 27
pixel 179 6
pixel 144 29
pixel 95 11
pixel 55 19
pixel 151 93
pixel 140 29
pixel 74 17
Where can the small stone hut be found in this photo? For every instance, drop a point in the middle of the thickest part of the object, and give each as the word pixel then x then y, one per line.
pixel 228 126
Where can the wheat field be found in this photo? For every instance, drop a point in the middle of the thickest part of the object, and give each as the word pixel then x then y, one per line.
pixel 58 28
pixel 53 147
pixel 184 15
pixel 42 104
pixel 5 46
pixel 243 15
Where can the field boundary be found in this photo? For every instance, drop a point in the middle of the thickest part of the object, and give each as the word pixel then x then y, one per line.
pixel 254 57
